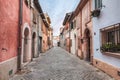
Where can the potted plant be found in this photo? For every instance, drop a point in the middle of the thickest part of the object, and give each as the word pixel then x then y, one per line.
pixel 108 47
pixel 105 47
pixel 95 13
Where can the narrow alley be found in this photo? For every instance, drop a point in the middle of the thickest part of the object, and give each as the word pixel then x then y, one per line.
pixel 57 64
pixel 59 40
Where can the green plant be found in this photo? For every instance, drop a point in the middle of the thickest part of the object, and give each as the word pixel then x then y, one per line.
pixel 104 47
pixel 108 47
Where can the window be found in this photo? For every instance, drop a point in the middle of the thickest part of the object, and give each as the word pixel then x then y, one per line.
pixel 111 38
pixel 65 42
pixel 27 2
pixel 71 25
pixel 34 17
pixel 62 36
pixel 98 4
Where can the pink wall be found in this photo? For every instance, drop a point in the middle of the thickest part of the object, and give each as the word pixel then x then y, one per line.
pixel 9 27
pixel 26 14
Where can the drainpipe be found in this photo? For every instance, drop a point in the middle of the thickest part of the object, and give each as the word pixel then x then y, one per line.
pixel 69 38
pixel 19 35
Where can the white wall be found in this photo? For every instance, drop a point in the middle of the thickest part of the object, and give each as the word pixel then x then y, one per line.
pixel 110 14
pixel 72 37
pixel 54 43
pixel 67 34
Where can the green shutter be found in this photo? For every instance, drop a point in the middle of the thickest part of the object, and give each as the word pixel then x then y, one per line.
pixel 95 4
pixel 98 4
pixel 71 25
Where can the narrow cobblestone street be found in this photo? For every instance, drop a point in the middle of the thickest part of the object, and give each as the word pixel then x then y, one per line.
pixel 57 64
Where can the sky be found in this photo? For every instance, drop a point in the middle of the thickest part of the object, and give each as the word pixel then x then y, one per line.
pixel 57 10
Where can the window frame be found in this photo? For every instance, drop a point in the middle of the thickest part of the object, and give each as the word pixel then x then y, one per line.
pixel 71 26
pixel 105 34
pixel 98 4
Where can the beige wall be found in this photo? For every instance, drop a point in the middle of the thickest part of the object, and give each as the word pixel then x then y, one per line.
pixel 109 69
pixel 84 22
pixel 44 38
pixel 7 67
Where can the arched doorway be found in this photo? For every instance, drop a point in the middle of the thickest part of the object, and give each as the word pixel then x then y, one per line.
pixel 87 45
pixel 34 45
pixel 26 45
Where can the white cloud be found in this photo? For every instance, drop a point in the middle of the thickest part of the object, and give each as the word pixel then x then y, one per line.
pixel 57 10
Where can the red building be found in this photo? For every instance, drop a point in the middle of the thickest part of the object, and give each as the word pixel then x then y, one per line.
pixel 15 36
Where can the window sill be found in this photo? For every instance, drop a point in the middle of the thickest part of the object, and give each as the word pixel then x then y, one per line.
pixel 112 54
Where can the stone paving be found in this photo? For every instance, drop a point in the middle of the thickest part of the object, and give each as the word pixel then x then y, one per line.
pixel 57 64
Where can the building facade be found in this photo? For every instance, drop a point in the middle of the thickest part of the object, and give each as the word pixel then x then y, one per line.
pixel 73 35
pixel 21 25
pixel 35 17
pixel 66 24
pixel 84 26
pixel 45 30
pixel 56 41
pixel 50 37
pixel 49 31
pixel 15 33
pixel 96 21
pixel 62 38
pixel 106 27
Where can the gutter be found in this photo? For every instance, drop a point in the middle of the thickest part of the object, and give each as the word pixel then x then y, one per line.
pixel 19 35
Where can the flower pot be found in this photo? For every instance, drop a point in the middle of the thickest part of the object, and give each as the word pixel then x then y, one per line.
pixel 95 13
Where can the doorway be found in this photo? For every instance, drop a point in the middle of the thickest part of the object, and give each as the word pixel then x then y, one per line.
pixel 40 45
pixel 26 45
pixel 87 45
pixel 34 45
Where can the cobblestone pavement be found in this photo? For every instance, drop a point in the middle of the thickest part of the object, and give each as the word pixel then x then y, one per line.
pixel 57 64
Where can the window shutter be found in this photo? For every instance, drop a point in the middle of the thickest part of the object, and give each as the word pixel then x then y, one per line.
pixel 71 25
pixel 98 4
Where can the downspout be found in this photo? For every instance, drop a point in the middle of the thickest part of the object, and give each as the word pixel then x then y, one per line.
pixel 81 36
pixel 90 20
pixel 69 37
pixel 70 41
pixel 19 35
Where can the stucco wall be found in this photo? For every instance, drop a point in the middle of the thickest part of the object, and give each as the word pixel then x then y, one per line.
pixel 26 48
pixel 8 29
pixel 109 16
pixel 8 68
pixel 72 36
pixel 62 40
pixel 78 25
pixel 86 24
pixel 9 13
pixel 8 37
pixel 44 39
